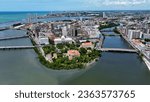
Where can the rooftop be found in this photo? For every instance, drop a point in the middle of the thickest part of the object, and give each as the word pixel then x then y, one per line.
pixel 73 52
pixel 87 44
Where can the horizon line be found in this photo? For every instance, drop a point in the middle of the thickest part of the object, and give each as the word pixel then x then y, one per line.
pixel 68 10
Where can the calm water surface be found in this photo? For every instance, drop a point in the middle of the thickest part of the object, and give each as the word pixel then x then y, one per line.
pixel 23 67
pixel 115 68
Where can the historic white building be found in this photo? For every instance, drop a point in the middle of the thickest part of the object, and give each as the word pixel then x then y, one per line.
pixel 62 40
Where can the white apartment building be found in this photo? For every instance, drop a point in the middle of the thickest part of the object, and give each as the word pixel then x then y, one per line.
pixel 134 34
pixel 146 36
pixel 64 31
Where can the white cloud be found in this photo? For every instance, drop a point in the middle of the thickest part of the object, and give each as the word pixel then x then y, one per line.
pixel 124 2
pixel 115 2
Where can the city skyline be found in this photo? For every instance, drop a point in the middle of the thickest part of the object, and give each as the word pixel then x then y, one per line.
pixel 68 5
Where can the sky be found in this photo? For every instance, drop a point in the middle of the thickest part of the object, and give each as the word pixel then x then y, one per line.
pixel 69 5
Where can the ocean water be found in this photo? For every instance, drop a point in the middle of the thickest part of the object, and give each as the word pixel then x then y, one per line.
pixel 17 16
pixel 8 18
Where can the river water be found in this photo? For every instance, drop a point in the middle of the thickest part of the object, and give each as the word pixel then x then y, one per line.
pixel 23 67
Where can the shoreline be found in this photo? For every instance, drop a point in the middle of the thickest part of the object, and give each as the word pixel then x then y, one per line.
pixel 143 58
pixel 87 65
pixel 146 62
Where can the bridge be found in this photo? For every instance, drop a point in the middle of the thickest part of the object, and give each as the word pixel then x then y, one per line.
pixel 18 47
pixel 111 34
pixel 17 37
pixel 106 30
pixel 117 50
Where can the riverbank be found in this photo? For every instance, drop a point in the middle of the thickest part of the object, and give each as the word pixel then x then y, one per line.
pixel 116 31
pixel 144 59
pixel 146 62
pixel 134 47
pixel 87 65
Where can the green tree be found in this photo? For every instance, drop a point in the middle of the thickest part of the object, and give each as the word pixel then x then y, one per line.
pixel 49 49
pixel 82 51
pixel 60 46
pixel 147 40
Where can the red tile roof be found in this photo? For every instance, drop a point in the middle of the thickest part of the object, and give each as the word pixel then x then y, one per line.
pixel 73 53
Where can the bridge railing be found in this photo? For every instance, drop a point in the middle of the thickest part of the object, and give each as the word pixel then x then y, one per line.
pixel 117 50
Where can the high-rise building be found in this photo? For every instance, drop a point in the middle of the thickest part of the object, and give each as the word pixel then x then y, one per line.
pixel 146 36
pixel 64 31
pixel 74 31
pixel 134 34
pixel 104 15
pixel 81 19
